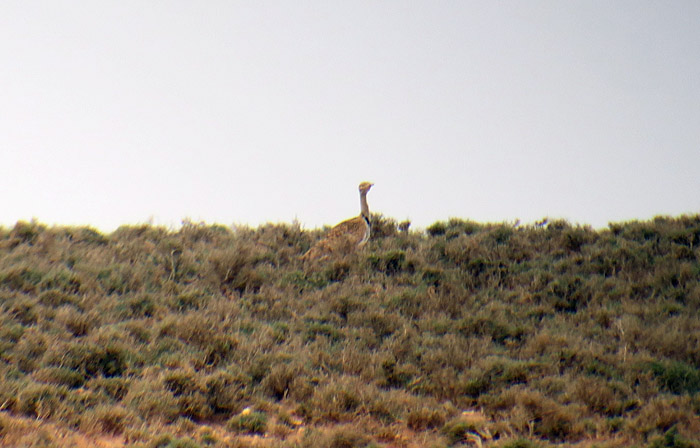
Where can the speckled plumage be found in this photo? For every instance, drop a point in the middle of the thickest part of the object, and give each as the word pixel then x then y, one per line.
pixel 347 236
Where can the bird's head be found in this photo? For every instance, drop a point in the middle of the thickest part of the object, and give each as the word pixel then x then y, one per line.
pixel 365 186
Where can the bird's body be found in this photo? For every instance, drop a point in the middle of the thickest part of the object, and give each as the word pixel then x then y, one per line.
pixel 347 236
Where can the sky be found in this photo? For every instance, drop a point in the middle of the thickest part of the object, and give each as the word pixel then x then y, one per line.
pixel 247 112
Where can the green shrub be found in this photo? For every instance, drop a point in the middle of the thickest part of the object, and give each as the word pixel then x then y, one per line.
pixel 458 431
pixel 501 234
pixel 382 227
pixel 40 400
pixel 61 376
pixel 521 443
pixel 671 439
pixel 149 400
pixel 27 232
pixel 139 330
pixel 92 360
pixel 115 388
pixel 315 329
pixel 497 327
pixel 339 400
pixel 137 307
pixel 389 263
pixel 424 418
pixel 168 441
pixel 56 298
pixel 219 349
pixel 676 377
pixel 395 376
pixel 161 441
pixel 119 279
pixel 61 280
pixel 336 271
pixel 76 321
pixel 279 380
pixel 184 442
pixel 661 413
pixel 191 300
pixel 615 424
pixel 181 382
pixel 573 239
pixel 106 419
pixel 437 229
pixel 28 350
pixel 347 438
pixel 252 422
pixel 225 392
pixel 568 293
pixel 189 395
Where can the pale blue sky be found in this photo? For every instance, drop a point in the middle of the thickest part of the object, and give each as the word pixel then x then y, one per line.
pixel 246 112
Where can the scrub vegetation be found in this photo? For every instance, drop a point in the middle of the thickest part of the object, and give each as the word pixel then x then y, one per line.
pixel 465 334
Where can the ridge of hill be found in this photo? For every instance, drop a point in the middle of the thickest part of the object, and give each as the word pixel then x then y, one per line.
pixel 465 334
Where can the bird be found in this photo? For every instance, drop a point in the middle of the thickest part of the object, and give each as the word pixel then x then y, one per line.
pixel 346 236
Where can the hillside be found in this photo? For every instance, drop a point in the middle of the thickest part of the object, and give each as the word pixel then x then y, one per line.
pixel 466 334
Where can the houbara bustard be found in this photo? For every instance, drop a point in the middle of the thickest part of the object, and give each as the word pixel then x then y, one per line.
pixel 347 236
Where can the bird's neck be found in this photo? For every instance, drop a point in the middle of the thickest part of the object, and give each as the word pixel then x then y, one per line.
pixel 364 208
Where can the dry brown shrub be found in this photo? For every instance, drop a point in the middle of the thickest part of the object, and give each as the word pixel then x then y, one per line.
pixel 27 353
pixel 423 418
pixel 78 323
pixel 151 401
pixel 107 419
pixel 598 395
pixel 532 412
pixel 664 412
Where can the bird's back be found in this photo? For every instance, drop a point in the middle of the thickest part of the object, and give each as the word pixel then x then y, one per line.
pixel 344 237
pixel 356 230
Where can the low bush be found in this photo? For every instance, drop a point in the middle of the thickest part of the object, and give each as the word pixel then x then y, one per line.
pixel 521 443
pixel 106 419
pixel 59 376
pixel 676 377
pixel 347 438
pixel 250 422
pixel 671 439
pixel 40 400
